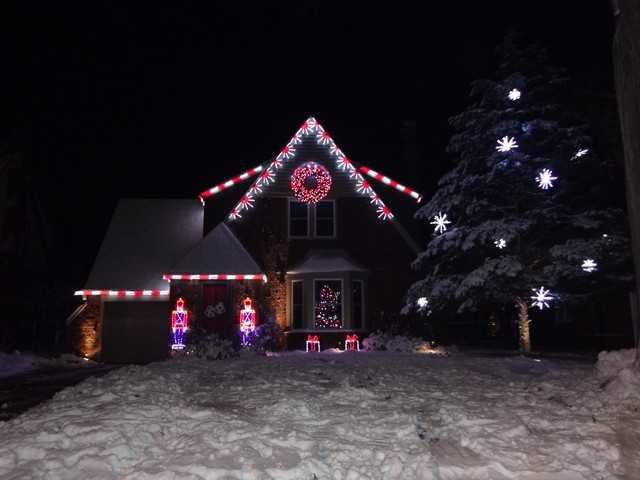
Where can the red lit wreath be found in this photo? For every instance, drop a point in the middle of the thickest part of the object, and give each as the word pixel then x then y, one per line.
pixel 310 182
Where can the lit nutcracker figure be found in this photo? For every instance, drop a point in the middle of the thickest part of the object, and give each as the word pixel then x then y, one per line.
pixel 247 320
pixel 179 323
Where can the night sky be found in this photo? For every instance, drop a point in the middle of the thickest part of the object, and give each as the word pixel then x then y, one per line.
pixel 166 99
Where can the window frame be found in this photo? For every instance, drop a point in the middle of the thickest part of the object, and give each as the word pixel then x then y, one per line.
pixel 312 220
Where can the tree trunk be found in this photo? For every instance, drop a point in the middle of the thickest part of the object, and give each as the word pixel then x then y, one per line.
pixel 626 66
pixel 523 327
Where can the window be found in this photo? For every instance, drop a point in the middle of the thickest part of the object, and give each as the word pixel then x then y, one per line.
pixel 324 219
pixel 328 303
pixel 357 313
pixel 312 220
pixel 298 219
pixel 296 304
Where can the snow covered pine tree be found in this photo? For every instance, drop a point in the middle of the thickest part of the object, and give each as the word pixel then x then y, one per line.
pixel 525 217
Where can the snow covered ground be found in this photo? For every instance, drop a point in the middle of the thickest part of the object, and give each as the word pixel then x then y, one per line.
pixel 338 415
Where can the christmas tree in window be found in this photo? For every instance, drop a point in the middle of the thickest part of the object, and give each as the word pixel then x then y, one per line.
pixel 327 309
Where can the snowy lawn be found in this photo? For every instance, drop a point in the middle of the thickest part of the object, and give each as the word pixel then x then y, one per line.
pixel 337 415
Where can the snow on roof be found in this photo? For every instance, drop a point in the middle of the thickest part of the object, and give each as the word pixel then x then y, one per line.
pixel 320 262
pixel 219 253
pixel 145 238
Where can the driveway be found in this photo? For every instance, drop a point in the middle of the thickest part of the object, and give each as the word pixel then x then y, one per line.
pixel 21 392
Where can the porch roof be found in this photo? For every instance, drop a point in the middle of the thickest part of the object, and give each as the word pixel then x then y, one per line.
pixel 326 261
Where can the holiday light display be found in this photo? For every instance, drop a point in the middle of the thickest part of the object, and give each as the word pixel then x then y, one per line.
pixel 123 293
pixel 388 181
pixel 514 94
pixel 589 265
pixel 500 243
pixel 352 342
pixel 505 144
pixel 422 302
pixel 310 182
pixel 541 298
pixel 215 277
pixel 326 309
pixel 247 321
pixel 313 343
pixel 440 221
pixel 545 179
pixel 179 325
pixel 580 153
pixel 230 183
pixel 309 128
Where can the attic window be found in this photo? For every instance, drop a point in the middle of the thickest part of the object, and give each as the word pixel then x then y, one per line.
pixel 312 220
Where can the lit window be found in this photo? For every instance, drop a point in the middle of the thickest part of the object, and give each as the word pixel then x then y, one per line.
pixel 328 307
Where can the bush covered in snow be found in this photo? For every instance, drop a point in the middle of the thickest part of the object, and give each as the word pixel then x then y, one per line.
pixel 619 373
pixel 399 344
pixel 212 347
pixel 266 337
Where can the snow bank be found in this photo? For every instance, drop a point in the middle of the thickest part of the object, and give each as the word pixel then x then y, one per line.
pixel 620 374
pixel 329 415
pixel 18 362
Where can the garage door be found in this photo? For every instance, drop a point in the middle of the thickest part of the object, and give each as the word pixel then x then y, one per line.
pixel 135 332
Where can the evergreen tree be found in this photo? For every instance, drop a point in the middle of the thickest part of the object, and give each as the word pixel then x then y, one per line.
pixel 526 206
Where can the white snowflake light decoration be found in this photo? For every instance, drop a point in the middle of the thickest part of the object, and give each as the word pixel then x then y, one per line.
pixel 501 243
pixel 505 144
pixel 422 302
pixel 440 221
pixel 514 94
pixel 541 298
pixel 580 153
pixel 545 179
pixel 589 265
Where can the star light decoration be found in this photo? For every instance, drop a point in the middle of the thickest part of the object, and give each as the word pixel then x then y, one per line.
pixel 589 265
pixel 580 153
pixel 312 128
pixel 545 179
pixel 505 144
pixel 541 298
pixel 514 94
pixel 500 243
pixel 440 221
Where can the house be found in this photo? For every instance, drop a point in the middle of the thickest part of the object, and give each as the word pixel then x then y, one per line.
pixel 304 238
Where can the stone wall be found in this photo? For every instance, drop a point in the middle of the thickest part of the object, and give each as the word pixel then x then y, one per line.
pixel 84 332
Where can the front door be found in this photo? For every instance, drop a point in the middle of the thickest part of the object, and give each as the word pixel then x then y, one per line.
pixel 216 315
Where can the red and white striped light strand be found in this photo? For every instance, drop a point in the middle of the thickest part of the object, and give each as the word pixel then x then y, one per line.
pixel 231 182
pixel 123 293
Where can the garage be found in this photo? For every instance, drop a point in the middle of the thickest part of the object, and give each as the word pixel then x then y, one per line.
pixel 135 331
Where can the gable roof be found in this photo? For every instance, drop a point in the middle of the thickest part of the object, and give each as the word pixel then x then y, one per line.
pixel 218 255
pixel 144 239
pixel 311 141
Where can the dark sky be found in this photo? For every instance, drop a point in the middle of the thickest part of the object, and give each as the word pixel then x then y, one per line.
pixel 166 99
